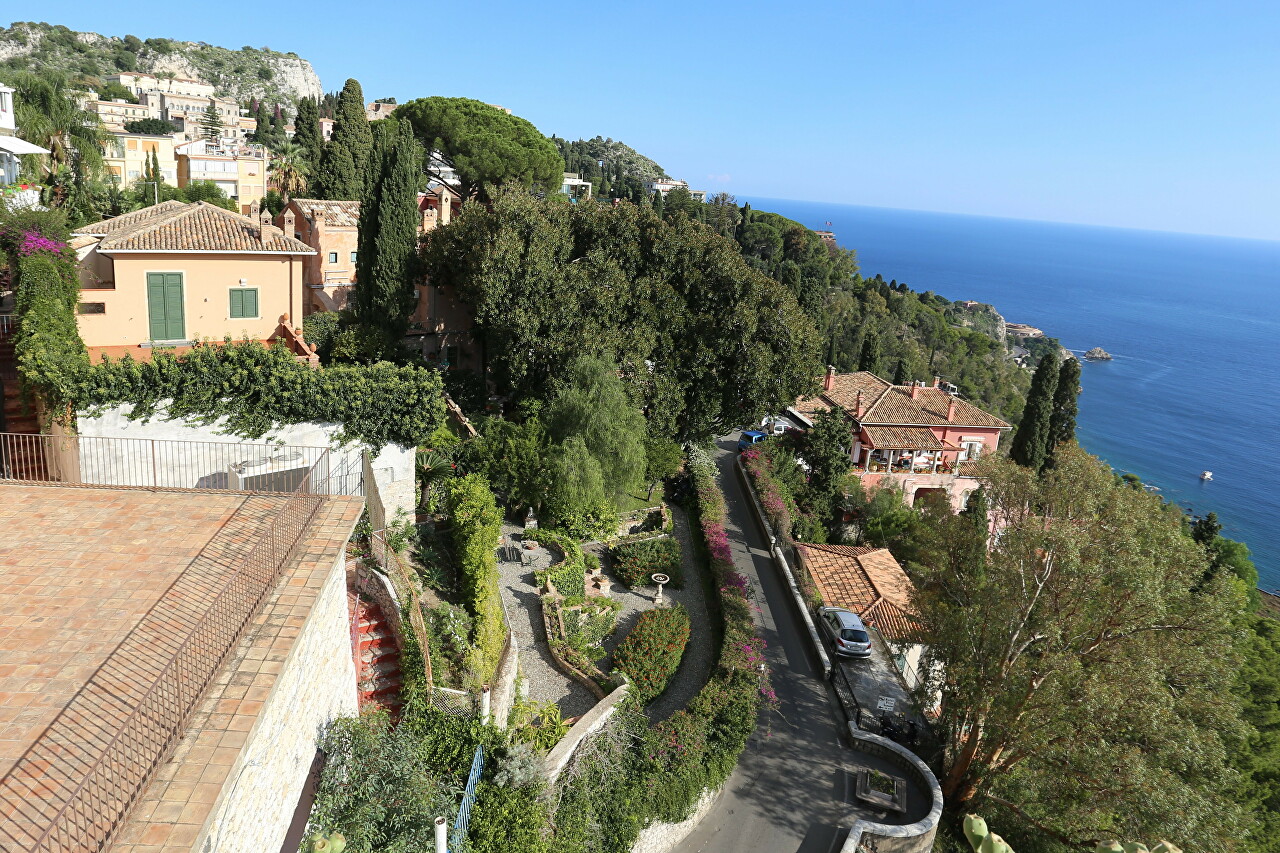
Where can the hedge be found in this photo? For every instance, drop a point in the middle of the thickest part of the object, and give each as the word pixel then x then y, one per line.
pixel 569 575
pixel 651 653
pixel 476 530
pixel 636 562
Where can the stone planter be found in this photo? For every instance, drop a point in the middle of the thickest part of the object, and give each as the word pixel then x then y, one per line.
pixel 868 791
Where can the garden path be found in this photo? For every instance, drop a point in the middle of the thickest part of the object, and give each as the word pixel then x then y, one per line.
pixel 520 597
pixel 699 654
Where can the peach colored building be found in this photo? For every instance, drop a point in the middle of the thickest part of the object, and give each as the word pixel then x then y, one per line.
pixel 125 157
pixel 914 437
pixel 331 229
pixel 170 275
pixel 238 168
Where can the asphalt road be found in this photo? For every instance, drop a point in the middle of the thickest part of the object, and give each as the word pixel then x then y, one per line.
pixel 790 791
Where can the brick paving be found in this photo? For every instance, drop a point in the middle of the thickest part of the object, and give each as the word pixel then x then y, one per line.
pixel 102 586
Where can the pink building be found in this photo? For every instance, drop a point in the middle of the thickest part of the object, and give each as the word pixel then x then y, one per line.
pixel 914 437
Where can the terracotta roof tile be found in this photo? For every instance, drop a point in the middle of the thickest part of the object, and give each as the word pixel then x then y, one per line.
pixel 885 404
pixel 340 214
pixel 195 227
pixel 127 221
pixel 867 581
pixel 902 438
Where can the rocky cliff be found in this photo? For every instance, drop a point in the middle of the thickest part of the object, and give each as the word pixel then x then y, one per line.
pixel 249 72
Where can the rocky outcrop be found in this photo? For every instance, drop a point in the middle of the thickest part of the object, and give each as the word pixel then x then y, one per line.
pixel 243 74
pixel 1098 354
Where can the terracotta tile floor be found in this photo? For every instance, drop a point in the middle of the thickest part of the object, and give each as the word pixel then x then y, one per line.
pixel 99 586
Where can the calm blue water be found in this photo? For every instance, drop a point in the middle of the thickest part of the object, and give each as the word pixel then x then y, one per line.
pixel 1193 323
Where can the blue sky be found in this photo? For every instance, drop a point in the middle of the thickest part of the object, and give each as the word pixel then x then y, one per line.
pixel 1161 115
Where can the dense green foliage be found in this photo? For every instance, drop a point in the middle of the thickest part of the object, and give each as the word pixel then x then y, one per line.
pixel 486 147
pixel 306 133
pixel 255 387
pixel 476 529
pixel 625 170
pixel 704 341
pixel 1031 443
pixel 1062 420
pixel 635 562
pixel 239 74
pixel 383 297
pixel 1077 645
pixel 48 345
pixel 651 653
pixel 795 256
pixel 344 169
pixel 149 126
pixel 567 576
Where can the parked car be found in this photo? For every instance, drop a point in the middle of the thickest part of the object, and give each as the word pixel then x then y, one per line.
pixel 846 632
pixel 778 426
pixel 750 437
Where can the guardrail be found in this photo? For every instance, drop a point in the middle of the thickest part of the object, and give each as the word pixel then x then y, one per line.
pixel 74 787
pixel 76 460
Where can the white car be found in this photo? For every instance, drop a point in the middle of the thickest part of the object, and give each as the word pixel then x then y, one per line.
pixel 846 632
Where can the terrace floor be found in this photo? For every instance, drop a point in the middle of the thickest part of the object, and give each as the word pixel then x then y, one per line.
pixel 101 587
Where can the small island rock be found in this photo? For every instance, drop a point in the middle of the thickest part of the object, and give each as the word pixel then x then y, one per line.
pixel 1098 354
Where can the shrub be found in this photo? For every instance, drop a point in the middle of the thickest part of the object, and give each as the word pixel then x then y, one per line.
pixel 476 528
pixel 651 653
pixel 635 562
pixel 567 576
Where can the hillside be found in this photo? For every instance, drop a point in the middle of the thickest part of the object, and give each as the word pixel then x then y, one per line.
pixel 249 72
pixel 583 156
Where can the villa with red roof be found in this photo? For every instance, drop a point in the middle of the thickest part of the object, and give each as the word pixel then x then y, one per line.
pixel 917 438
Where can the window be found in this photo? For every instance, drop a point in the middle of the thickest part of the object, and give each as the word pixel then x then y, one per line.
pixel 91 308
pixel 333 257
pixel 244 302
pixel 971 449
pixel 450 356
pixel 353 257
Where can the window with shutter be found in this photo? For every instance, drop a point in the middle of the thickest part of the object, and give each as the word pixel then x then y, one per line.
pixel 165 306
pixel 244 302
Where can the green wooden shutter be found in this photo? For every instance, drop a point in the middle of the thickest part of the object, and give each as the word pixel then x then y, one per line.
pixel 164 306
pixel 251 302
pixel 237 303
pixel 155 304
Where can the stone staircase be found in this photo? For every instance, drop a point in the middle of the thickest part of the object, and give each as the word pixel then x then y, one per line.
pixel 378 680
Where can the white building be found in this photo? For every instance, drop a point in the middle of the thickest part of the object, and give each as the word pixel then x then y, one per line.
pixel 669 184
pixel 574 186
pixel 11 149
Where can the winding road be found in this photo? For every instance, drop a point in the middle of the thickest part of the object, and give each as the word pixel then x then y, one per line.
pixel 790 791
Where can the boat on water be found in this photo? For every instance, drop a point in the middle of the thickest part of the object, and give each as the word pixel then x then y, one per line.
pixel 1206 475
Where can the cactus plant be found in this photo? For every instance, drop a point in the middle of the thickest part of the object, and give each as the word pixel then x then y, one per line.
pixel 982 840
pixel 334 843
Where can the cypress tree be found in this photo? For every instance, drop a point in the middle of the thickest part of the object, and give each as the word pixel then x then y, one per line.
pixel 869 359
pixel 1062 423
pixel 211 123
pixel 901 375
pixel 383 295
pixel 1031 441
pixel 306 131
pixel 658 203
pixel 345 164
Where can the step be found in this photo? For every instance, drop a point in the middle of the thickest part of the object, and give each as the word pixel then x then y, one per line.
pixel 373 656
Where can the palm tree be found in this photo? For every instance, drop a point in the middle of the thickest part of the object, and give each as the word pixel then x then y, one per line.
pixel 289 168
pixel 49 115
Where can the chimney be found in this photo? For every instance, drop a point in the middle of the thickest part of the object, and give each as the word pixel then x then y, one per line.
pixel 937 380
pixel 951 408
pixel 830 379
pixel 859 408
pixel 286 222
pixel 915 390
pixel 317 227
pixel 265 229
pixel 254 210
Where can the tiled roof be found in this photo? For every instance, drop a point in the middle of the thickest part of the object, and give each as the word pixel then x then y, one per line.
pixel 867 581
pixel 195 227
pixel 902 438
pixel 885 404
pixel 341 214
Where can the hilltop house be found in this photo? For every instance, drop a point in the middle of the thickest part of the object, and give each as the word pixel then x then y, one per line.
pixel 11 150
pixel 167 275
pixel 916 438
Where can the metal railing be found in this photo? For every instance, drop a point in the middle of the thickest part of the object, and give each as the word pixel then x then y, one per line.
pixel 73 788
pixel 458 838
pixel 390 561
pixel 76 460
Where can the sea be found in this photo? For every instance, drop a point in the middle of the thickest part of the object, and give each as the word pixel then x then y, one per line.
pixel 1192 323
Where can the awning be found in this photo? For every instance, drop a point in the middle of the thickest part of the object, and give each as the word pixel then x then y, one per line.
pixel 14 145
pixel 901 438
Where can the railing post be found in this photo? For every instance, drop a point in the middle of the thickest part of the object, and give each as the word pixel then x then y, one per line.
pixel 155 482
pixel 485 701
pixel 442 836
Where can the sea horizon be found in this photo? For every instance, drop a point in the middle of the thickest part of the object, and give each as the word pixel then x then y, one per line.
pixel 1188 319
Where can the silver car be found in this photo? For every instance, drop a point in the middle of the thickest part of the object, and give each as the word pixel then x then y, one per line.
pixel 846 632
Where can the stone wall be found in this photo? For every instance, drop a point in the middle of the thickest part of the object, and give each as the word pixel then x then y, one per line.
pixel 665 837
pixel 913 837
pixel 317 682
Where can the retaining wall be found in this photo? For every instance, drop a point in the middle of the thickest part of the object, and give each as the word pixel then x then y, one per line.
pixel 910 838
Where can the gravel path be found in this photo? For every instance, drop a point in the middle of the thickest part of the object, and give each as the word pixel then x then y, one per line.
pixel 546 683
pixel 695 666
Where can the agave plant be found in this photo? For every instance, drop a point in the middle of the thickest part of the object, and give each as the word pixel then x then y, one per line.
pixel 983 840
